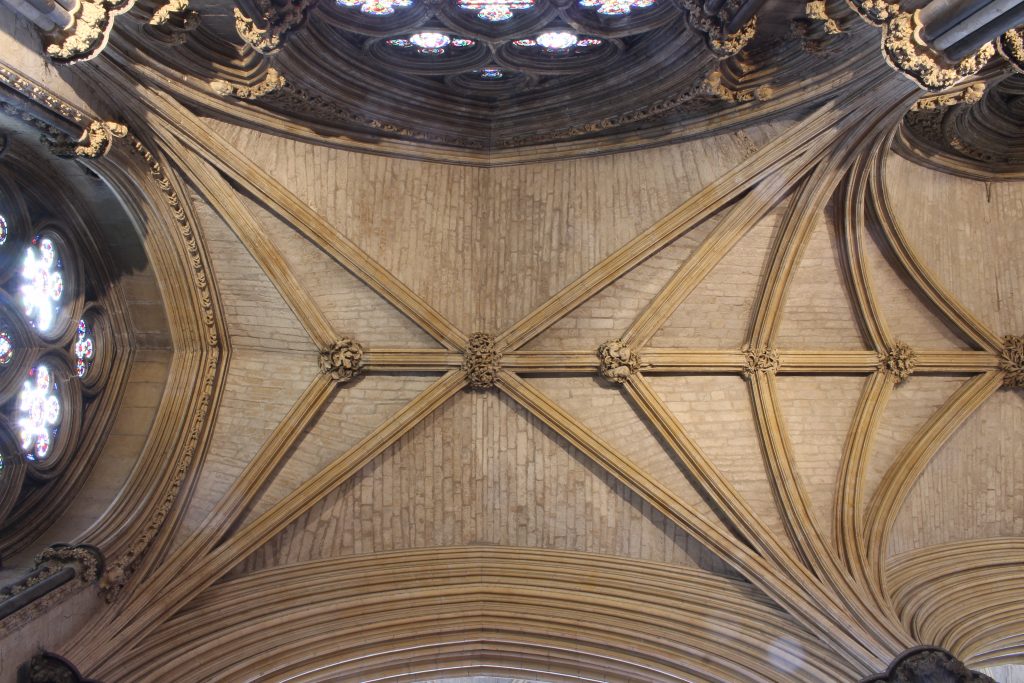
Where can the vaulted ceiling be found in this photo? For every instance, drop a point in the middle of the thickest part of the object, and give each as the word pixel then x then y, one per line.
pixel 680 356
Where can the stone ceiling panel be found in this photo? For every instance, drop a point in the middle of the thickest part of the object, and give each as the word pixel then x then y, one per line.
pixel 973 487
pixel 257 317
pixel 907 313
pixel 718 313
pixel 818 313
pixel 512 235
pixel 353 309
pixel 975 255
pixel 481 472
pixel 718 414
pixel 819 413
pixel 356 409
pixel 604 409
pixel 612 310
pixel 911 405
pixel 254 401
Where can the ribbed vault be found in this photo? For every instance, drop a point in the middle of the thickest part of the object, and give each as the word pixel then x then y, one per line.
pixel 673 413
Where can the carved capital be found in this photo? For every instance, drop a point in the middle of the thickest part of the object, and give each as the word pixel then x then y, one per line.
pixel 713 27
pixel 618 361
pixel 47 667
pixel 88 33
pixel 1011 47
pixel 762 360
pixel 87 560
pixel 905 51
pixel 898 363
pixel 95 141
pixel 481 362
pixel 928 664
pixel 266 32
pixel 272 82
pixel 1011 361
pixel 817 11
pixel 343 360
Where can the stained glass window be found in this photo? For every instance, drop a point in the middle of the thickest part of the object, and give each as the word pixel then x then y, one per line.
pixel 6 348
pixel 616 7
pixel 38 413
pixel 42 283
pixel 3 229
pixel 430 43
pixel 557 41
pixel 85 349
pixel 491 73
pixel 495 10
pixel 376 7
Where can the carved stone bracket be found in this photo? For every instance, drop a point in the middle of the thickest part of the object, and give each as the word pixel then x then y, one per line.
pixel 95 141
pixel 898 363
pixel 816 27
pixel 762 360
pixel 972 94
pixel 618 361
pixel 906 52
pixel 1011 47
pixel 343 360
pixel 47 667
pixel 272 82
pixel 481 362
pixel 713 27
pixel 88 33
pixel 928 664
pixel 1011 361
pixel 267 31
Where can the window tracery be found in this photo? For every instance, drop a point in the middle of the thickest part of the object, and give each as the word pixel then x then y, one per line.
pixel 378 8
pixel 616 7
pixel 39 413
pixel 51 337
pixel 430 43
pixel 557 41
pixel 495 10
pixel 42 283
